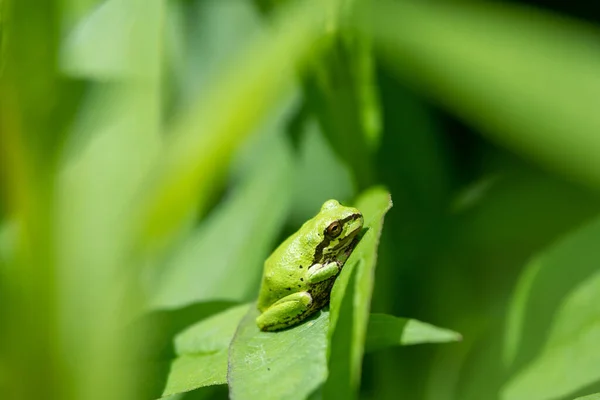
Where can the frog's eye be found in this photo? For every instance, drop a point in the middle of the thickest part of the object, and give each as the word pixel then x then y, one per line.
pixel 334 229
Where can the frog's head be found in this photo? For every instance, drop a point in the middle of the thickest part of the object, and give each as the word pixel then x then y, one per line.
pixel 337 226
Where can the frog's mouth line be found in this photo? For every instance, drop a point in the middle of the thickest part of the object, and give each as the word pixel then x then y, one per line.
pixel 345 243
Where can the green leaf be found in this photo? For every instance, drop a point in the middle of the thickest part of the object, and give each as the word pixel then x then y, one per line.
pixel 190 372
pixel 211 334
pixel 341 92
pixel 570 359
pixel 590 397
pixel 157 354
pixel 288 364
pixel 202 351
pixel 351 299
pixel 543 285
pixel 103 46
pixel 525 78
pixel 386 330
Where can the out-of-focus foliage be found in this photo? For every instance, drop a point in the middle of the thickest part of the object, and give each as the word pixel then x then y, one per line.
pixel 153 153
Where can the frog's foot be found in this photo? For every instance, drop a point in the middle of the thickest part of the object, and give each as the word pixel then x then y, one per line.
pixel 319 272
pixel 285 312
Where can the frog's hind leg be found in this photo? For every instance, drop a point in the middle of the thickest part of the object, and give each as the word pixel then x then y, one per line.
pixel 285 312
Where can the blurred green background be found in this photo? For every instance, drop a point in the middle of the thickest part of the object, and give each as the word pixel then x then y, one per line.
pixel 154 152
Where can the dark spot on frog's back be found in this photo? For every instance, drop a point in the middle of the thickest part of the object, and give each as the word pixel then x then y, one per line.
pixel 300 267
pixel 289 288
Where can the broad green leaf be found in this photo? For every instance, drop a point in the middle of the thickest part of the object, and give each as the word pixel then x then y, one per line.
pixel 189 372
pixel 288 364
pixel 211 334
pixel 156 355
pixel 590 397
pixel 203 139
pixel 223 258
pixel 525 78
pixel 351 299
pixel 543 285
pixel 570 359
pixel 386 330
pixel 202 351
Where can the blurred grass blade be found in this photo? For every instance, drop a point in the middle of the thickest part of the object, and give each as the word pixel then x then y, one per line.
pixel 206 267
pixel 202 351
pixel 386 330
pixel 543 285
pixel 341 92
pixel 92 50
pixel 114 142
pixel 351 300
pixel 34 116
pixel 570 359
pixel 9 234
pixel 527 79
pixel 319 169
pixel 203 139
pixel 289 364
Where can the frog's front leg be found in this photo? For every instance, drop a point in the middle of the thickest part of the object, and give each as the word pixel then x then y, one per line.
pixel 319 272
pixel 284 312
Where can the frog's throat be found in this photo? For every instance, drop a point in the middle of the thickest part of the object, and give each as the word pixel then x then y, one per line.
pixel 319 250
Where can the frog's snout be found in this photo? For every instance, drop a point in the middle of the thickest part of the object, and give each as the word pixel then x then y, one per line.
pixel 355 225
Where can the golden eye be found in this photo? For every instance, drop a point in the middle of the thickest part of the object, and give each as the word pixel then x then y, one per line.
pixel 334 229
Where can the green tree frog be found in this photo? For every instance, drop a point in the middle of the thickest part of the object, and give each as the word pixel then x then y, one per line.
pixel 299 274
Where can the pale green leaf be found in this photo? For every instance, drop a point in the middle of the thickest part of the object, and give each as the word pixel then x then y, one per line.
pixel 387 330
pixel 103 45
pixel 570 359
pixel 114 140
pixel 543 285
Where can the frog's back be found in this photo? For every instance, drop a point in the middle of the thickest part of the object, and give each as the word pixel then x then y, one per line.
pixel 284 270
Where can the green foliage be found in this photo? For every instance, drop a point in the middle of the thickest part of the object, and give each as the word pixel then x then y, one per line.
pixel 385 331
pixel 153 153
pixel 570 357
pixel 590 397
